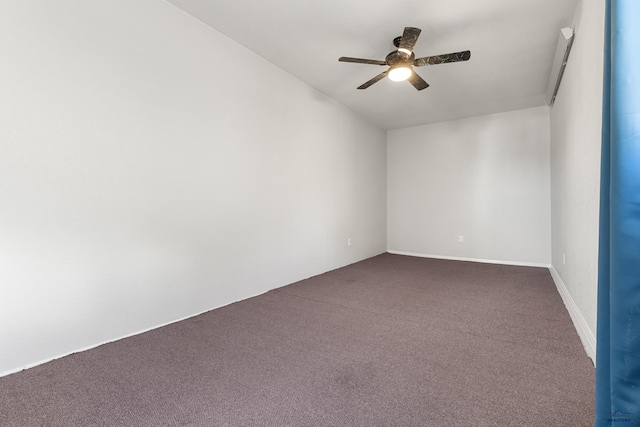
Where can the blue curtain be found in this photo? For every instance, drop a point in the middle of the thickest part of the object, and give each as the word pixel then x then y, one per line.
pixel 618 334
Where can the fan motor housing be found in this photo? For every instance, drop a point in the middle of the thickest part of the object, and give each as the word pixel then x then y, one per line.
pixel 395 57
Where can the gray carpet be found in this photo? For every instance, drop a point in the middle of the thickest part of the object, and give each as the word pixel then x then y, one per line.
pixel 389 341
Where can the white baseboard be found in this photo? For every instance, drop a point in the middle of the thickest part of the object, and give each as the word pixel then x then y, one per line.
pixel 40 362
pixel 79 350
pixel 584 332
pixel 485 261
pixel 587 336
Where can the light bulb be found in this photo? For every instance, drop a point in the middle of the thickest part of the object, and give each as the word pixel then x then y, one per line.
pixel 399 74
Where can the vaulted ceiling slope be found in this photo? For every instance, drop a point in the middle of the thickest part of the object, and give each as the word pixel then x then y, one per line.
pixel 512 44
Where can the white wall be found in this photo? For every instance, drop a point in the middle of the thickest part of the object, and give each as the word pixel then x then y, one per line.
pixel 143 179
pixel 576 125
pixel 484 178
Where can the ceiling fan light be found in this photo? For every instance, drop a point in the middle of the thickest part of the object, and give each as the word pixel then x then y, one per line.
pixel 399 74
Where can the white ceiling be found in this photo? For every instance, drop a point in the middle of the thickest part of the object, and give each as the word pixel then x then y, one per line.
pixel 512 45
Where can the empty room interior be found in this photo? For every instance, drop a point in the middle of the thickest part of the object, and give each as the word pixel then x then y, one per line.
pixel 204 221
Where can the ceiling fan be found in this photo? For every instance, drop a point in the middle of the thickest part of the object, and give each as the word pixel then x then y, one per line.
pixel 400 61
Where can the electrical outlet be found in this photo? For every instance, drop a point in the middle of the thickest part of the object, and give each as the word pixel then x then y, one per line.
pixel 349 241
pixel 564 259
pixel 460 239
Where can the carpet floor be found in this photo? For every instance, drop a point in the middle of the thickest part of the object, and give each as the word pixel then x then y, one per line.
pixel 389 341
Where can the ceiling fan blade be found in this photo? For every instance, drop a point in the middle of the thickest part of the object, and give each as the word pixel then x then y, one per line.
pixel 417 81
pixel 361 61
pixel 409 38
pixel 374 80
pixel 442 59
